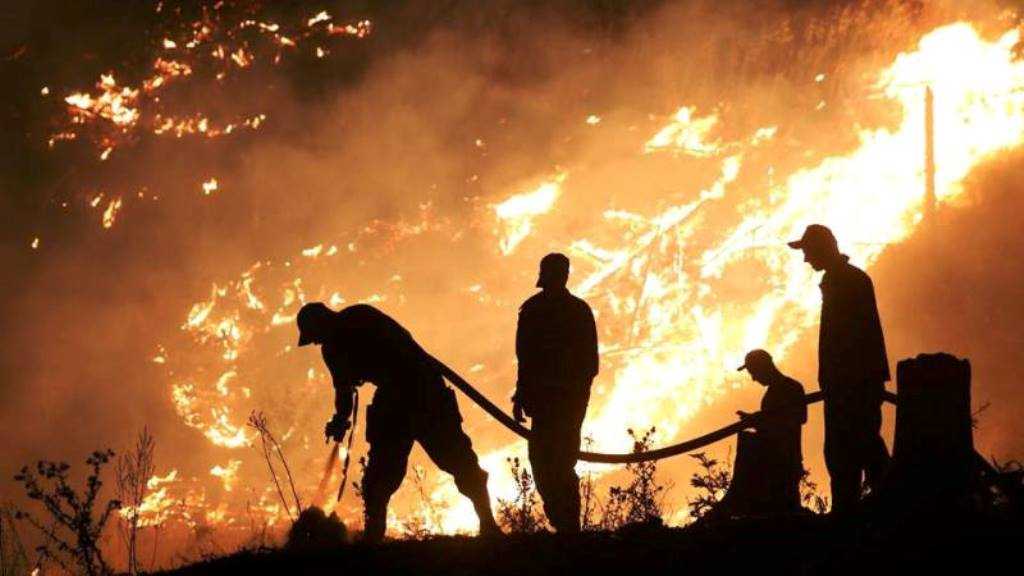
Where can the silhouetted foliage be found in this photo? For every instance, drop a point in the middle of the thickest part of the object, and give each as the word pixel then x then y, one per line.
pixel 133 472
pixel 71 538
pixel 712 482
pixel 315 530
pixel 1006 494
pixel 271 451
pixel 589 502
pixel 640 501
pixel 521 515
pixel 809 495
pixel 419 526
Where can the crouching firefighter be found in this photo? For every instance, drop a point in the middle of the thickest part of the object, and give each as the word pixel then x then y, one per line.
pixel 411 404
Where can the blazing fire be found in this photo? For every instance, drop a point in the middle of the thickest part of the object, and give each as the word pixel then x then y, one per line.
pixel 673 320
pixel 669 342
pixel 225 42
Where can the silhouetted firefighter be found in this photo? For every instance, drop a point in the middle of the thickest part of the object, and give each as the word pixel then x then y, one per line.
pixel 556 344
pixel 412 403
pixel 769 464
pixel 852 369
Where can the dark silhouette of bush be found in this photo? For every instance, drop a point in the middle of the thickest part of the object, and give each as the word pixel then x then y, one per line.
pixel 314 530
pixel 641 500
pixel 133 472
pixel 589 501
pixel 72 535
pixel 271 451
pixel 521 515
pixel 712 482
pixel 809 495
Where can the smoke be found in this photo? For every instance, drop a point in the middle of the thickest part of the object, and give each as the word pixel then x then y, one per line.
pixel 395 152
pixel 965 297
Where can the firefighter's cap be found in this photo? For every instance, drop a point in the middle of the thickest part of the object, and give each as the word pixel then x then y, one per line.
pixel 310 318
pixel 815 235
pixel 756 358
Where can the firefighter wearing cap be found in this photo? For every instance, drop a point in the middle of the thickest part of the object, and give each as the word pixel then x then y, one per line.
pixel 556 345
pixel 411 404
pixel 852 369
pixel 783 414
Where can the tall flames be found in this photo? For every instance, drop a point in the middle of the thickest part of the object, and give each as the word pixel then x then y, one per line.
pixel 674 323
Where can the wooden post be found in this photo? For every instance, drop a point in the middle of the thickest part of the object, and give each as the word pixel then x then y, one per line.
pixel 933 449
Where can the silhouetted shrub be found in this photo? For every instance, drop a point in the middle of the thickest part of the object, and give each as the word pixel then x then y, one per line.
pixel 133 472
pixel 589 502
pixel 521 515
pixel 315 530
pixel 809 495
pixel 272 451
pixel 71 537
pixel 712 482
pixel 640 501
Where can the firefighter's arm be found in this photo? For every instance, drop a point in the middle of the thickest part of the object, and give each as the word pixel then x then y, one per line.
pixel 590 343
pixel 345 383
pixel 521 344
pixel 339 424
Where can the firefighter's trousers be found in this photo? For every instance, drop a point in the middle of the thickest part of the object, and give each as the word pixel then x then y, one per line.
pixel 554 447
pixel 431 417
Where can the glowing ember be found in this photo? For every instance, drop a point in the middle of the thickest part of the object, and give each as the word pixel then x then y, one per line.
pixel 110 214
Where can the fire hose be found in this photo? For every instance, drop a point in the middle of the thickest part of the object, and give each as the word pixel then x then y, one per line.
pixel 659 453
pixel 599 457
pixel 602 458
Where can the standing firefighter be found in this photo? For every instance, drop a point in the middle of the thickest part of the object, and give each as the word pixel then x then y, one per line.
pixel 412 403
pixel 556 344
pixel 852 369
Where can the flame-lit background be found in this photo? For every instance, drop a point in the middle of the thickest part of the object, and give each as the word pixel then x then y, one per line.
pixel 180 176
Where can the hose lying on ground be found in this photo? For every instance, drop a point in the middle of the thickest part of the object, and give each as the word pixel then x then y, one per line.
pixel 657 454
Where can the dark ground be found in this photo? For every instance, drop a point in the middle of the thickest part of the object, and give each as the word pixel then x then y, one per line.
pixel 807 545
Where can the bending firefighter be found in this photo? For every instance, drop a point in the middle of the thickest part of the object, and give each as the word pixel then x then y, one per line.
pixel 411 404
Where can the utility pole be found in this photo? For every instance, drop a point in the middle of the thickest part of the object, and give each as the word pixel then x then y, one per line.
pixel 930 200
